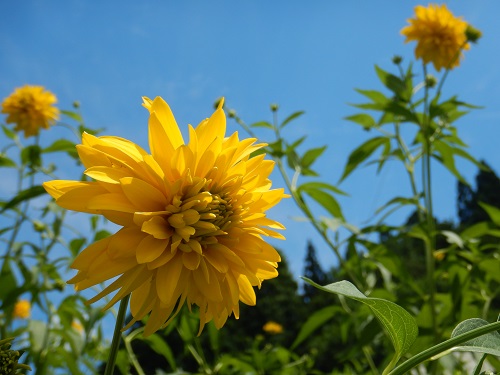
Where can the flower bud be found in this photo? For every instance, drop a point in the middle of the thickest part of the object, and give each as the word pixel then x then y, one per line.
pixel 274 107
pixel 430 81
pixel 472 34
pixel 397 59
pixel 231 113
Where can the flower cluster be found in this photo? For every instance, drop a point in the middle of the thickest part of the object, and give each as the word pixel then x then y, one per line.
pixel 193 217
pixel 30 108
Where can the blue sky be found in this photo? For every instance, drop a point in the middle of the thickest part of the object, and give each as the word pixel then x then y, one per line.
pixel 302 55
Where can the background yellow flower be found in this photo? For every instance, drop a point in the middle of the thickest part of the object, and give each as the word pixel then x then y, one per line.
pixel 193 218
pixel 30 108
pixel 440 36
pixel 272 328
pixel 22 309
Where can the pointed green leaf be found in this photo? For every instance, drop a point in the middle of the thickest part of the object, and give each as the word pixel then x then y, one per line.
pixel 328 202
pixel 311 155
pixel 24 195
pixel 292 117
pixel 75 116
pixel 320 185
pixel 488 343
pixel 397 322
pixel 6 162
pixel 316 320
pixel 493 212
pixel 393 83
pixel 361 153
pixel 262 124
pixel 9 133
pixel 362 119
pixel 60 145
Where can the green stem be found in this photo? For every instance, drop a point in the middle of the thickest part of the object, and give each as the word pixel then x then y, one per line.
pixel 444 346
pixel 427 190
pixel 117 335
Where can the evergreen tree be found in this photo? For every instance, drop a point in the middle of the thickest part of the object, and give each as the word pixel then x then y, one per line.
pixel 313 271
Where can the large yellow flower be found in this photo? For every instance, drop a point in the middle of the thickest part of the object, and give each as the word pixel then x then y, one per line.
pixel 30 108
pixel 193 217
pixel 440 36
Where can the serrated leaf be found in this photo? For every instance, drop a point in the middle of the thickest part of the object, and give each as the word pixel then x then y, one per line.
pixel 361 153
pixel 292 117
pixel 397 322
pixel 488 343
pixel 316 320
pixel 24 195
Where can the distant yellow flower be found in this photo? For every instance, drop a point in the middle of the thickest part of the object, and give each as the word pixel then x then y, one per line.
pixel 30 108
pixel 440 36
pixel 272 328
pixel 22 309
pixel 193 217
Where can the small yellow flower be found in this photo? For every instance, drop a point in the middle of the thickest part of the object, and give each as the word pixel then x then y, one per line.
pixel 272 328
pixel 30 108
pixel 22 309
pixel 192 215
pixel 440 36
pixel 77 326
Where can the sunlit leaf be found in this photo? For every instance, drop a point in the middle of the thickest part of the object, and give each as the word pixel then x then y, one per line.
pixel 398 323
pixel 292 117
pixel 361 153
pixel 24 195
pixel 488 343
pixel 362 119
pixel 311 155
pixel 314 185
pixel 316 320
pixel 6 162
pixel 328 202
pixel 262 124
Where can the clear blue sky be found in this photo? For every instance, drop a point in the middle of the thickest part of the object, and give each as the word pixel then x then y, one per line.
pixel 303 55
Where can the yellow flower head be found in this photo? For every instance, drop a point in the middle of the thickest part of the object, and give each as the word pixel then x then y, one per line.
pixel 22 309
pixel 440 36
pixel 193 217
pixel 272 328
pixel 30 108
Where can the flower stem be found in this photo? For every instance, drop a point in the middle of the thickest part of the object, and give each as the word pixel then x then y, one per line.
pixel 117 335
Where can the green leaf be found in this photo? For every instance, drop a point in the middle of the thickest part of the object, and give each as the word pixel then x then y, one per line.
pixel 320 185
pixel 75 116
pixel 31 156
pixel 397 322
pixel 37 330
pixel 446 158
pixel 390 81
pixel 292 117
pixel 24 195
pixel 316 320
pixel 262 124
pixel 493 212
pixel 328 202
pixel 6 162
pixel 375 96
pixel 161 347
pixel 361 153
pixel 9 133
pixel 362 119
pixel 311 155
pixel 488 343
pixel 60 145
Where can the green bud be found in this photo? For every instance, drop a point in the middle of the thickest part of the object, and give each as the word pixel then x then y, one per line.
pixel 76 104
pixel 430 81
pixel 217 102
pixel 60 285
pixel 231 113
pixel 397 59
pixel 473 34
pixel 39 226
pixel 274 107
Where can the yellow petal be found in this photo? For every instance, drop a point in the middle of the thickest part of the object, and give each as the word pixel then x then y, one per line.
pixel 149 249
pixel 142 195
pixel 167 278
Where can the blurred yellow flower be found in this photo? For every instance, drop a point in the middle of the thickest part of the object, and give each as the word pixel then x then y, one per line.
pixel 30 108
pixel 272 328
pixel 440 36
pixel 77 326
pixel 22 309
pixel 193 217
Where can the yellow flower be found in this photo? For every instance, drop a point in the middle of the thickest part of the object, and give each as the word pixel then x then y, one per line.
pixel 22 309
pixel 193 217
pixel 440 36
pixel 272 328
pixel 77 326
pixel 30 108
